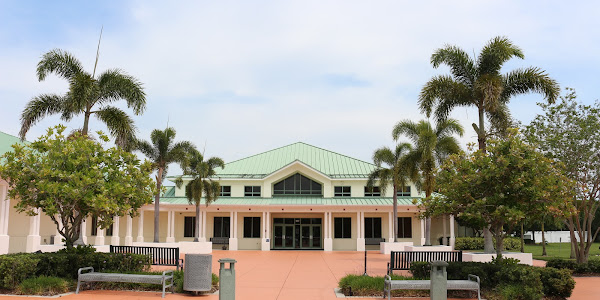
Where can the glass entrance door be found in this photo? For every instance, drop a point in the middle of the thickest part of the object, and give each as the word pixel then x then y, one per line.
pixel 297 233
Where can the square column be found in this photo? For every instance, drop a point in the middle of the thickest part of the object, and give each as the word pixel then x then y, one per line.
pixel 265 241
pixel 129 231
pixel 422 232
pixel 233 245
pixel 140 236
pixel 391 235
pixel 4 213
pixel 34 239
pixel 452 238
pixel 170 225
pixel 327 241
pixel 360 234
pixel 444 235
pixel 100 239
pixel 83 231
pixel 203 232
pixel 115 240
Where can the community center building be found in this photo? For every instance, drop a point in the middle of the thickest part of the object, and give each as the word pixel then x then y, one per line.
pixel 297 197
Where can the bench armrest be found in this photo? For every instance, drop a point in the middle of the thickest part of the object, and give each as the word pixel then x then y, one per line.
pixel 85 269
pixel 167 274
pixel 387 277
pixel 474 278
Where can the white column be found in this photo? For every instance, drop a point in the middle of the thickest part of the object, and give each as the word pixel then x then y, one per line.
pixel 34 239
pixel 391 235
pixel 129 231
pixel 327 240
pixel 325 231
pixel 452 238
pixel 203 232
pixel 265 245
pixel 444 235
pixel 140 236
pixel 170 225
pixel 422 232
pixel 115 239
pixel 360 240
pixel 83 232
pixel 99 237
pixel 4 213
pixel 233 241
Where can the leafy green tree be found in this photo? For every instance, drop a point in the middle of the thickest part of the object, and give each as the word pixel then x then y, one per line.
pixel 87 95
pixel 163 151
pixel 570 132
pixel 478 82
pixel 201 183
pixel 431 147
pixel 397 172
pixel 502 187
pixel 71 178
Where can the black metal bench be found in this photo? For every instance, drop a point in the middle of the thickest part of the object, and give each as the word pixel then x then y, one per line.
pixel 161 256
pixel 374 241
pixel 220 240
pixel 401 260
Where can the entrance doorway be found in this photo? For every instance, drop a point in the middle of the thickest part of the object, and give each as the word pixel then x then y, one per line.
pixel 297 233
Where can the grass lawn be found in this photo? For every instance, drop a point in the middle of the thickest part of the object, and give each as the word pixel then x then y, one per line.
pixel 561 250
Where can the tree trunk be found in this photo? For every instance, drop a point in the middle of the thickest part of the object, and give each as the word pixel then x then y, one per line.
pixel 395 216
pixel 197 231
pixel 522 238
pixel 428 193
pixel 499 246
pixel 159 177
pixel 488 246
pixel 86 121
pixel 543 241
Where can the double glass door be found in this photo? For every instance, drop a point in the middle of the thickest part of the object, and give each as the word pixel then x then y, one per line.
pixel 297 233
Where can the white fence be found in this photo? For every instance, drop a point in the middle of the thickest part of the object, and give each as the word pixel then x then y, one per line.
pixel 551 236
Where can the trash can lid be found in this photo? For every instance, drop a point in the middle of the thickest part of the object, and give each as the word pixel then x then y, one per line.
pixel 439 263
pixel 227 260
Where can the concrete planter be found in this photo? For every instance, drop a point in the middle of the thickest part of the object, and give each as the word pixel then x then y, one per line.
pixel 524 258
pixel 387 247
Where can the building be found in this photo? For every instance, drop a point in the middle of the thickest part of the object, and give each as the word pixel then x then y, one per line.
pixel 295 197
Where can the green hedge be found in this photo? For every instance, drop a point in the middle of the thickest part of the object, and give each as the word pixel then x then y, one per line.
pixel 508 279
pixel 477 243
pixel 15 268
pixel 591 267
pixel 45 286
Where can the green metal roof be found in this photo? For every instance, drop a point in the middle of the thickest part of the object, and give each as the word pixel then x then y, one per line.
pixel 332 164
pixel 6 141
pixel 336 201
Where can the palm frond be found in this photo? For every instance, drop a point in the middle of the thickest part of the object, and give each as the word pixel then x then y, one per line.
pixel 461 65
pixel 38 108
pixel 383 155
pixel 407 128
pixel 61 63
pixel 119 124
pixel 442 94
pixel 449 127
pixel 146 149
pixel 114 85
pixel 495 53
pixel 532 79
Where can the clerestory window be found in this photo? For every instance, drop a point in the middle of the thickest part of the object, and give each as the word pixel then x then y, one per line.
pixel 298 185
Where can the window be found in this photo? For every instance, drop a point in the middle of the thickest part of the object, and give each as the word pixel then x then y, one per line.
pixel 107 232
pixel 221 227
pixel 297 185
pixel 252 191
pixel 404 192
pixel 189 227
pixel 251 227
pixel 404 228
pixel 341 191
pixel 343 228
pixel 225 191
pixel 374 192
pixel 373 228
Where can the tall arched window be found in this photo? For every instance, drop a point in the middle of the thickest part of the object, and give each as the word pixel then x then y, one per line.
pixel 298 185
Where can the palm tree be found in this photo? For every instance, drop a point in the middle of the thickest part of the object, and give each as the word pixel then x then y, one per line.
pixel 163 151
pixel 431 147
pixel 87 95
pixel 397 172
pixel 478 82
pixel 201 184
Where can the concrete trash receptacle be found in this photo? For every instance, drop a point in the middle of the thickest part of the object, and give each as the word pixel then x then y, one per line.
pixel 439 280
pixel 197 274
pixel 227 279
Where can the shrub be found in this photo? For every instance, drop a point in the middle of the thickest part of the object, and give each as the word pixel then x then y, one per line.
pixel 365 285
pixel 14 268
pixel 44 285
pixel 525 277
pixel 477 243
pixel 557 282
pixel 420 269
pixel 591 267
pixel 560 263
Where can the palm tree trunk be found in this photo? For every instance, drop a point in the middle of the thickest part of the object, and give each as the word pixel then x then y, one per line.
pixel 86 121
pixel 522 238
pixel 488 246
pixel 394 235
pixel 157 205
pixel 543 241
pixel 197 231
pixel 428 193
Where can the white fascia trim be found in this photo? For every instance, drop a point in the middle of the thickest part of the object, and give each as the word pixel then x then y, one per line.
pixel 294 163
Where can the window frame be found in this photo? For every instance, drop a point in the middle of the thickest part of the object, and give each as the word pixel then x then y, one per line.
pixel 375 193
pixel 254 228
pixel 372 234
pixel 298 188
pixel 224 233
pixel 402 222
pixel 252 192
pixel 342 192
pixel 225 193
pixel 185 226
pixel 404 192
pixel 346 233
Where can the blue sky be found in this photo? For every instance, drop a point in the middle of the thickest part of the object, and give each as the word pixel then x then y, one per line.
pixel 242 77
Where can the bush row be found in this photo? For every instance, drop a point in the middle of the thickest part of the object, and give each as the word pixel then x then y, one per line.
pixel 508 279
pixel 590 267
pixel 477 243
pixel 15 268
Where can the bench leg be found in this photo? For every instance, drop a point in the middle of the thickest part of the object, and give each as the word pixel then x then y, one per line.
pixel 78 284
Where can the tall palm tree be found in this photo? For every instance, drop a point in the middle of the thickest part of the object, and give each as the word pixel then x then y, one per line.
pixel 431 146
pixel 87 95
pixel 479 82
pixel 397 172
pixel 162 151
pixel 201 184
